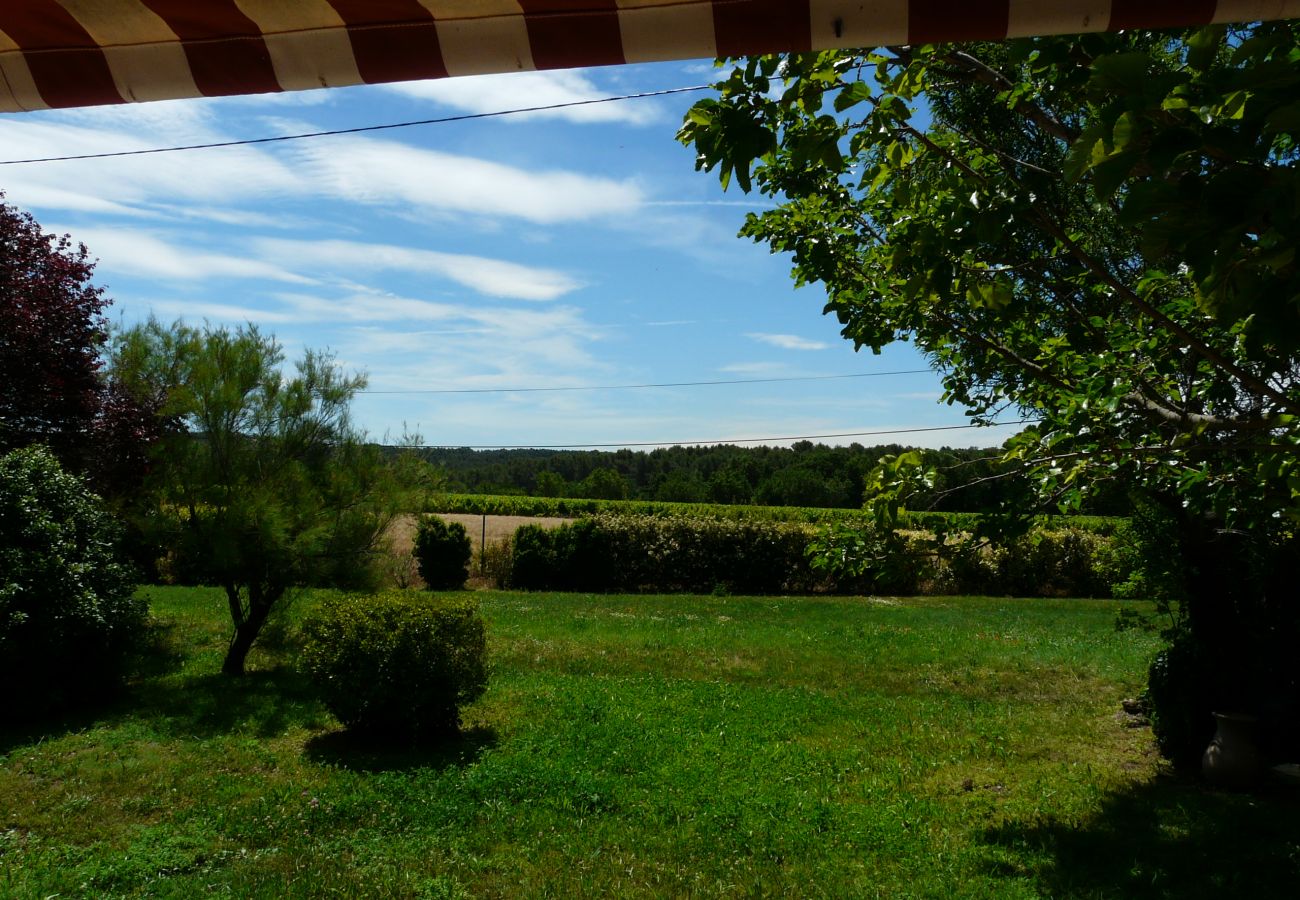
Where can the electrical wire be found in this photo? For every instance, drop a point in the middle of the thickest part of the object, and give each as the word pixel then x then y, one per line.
pixel 627 387
pixel 465 117
pixel 802 437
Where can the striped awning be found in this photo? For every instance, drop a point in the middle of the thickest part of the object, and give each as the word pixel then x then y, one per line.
pixel 61 53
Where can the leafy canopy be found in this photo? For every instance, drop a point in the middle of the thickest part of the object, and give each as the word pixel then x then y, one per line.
pixel 265 484
pixel 69 617
pixel 51 331
pixel 1094 233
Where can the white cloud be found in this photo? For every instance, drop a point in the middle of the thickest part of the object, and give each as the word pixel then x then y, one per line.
pixel 130 252
pixel 358 170
pixel 363 170
pixel 194 310
pixel 208 177
pixel 494 277
pixel 787 341
pixel 468 346
pixel 147 254
pixel 518 90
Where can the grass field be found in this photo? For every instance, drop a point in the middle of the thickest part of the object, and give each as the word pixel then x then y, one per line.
pixel 651 746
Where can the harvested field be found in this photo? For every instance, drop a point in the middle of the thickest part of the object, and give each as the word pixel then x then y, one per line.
pixel 402 571
pixel 403 530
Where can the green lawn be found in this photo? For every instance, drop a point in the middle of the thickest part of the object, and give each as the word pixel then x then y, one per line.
pixel 660 746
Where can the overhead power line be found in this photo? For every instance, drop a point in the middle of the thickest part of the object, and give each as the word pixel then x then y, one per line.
pixel 801 437
pixel 627 387
pixel 465 117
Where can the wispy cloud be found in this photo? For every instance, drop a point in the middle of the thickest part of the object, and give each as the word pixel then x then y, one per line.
pixel 787 341
pixel 126 184
pixel 133 252
pixel 358 170
pixel 493 277
pixel 222 313
pixel 459 344
pixel 363 170
pixel 517 90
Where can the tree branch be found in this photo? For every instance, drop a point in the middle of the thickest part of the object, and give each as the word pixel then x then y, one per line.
pixel 1030 110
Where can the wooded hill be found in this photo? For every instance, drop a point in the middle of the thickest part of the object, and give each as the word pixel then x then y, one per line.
pixel 805 474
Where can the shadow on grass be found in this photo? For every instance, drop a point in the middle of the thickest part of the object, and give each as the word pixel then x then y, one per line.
pixel 1168 838
pixel 96 700
pixel 55 725
pixel 263 703
pixel 376 753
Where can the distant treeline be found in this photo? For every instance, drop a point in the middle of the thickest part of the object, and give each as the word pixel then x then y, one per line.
pixel 805 474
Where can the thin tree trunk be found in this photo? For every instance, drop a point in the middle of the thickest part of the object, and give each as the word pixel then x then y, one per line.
pixel 260 603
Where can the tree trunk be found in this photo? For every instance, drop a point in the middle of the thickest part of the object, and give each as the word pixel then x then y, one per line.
pixel 248 627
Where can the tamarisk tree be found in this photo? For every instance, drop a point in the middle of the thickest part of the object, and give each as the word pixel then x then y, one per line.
pixel 1096 234
pixel 265 485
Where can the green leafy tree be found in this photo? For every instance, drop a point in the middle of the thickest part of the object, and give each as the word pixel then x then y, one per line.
pixel 605 483
pixel 266 485
pixel 69 617
pixel 682 486
pixel 730 484
pixel 1094 233
pixel 549 484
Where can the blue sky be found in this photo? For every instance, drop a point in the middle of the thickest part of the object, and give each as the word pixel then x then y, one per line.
pixel 577 248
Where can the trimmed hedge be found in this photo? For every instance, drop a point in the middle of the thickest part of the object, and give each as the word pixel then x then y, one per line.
pixel 442 551
pixel 610 553
pixel 397 663
pixel 645 553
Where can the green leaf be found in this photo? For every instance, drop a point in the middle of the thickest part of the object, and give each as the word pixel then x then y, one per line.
pixel 1124 72
pixel 1204 45
pixel 852 95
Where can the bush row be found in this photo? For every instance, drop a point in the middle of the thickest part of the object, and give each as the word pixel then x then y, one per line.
pixel 643 553
pixel 562 507
pixel 613 553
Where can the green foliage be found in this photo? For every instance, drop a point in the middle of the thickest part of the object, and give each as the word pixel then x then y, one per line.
pixel 866 558
pixel 503 505
pixel 397 663
pixel 698 554
pixel 1085 229
pixel 532 558
pixel 575 556
pixel 960 748
pixel 645 553
pixel 1094 232
pixel 1179 694
pixel 442 551
pixel 803 474
pixel 549 484
pixel 1066 562
pixel 265 484
pixel 604 484
pixel 68 617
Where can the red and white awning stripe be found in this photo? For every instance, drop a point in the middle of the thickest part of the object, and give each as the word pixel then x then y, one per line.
pixel 59 53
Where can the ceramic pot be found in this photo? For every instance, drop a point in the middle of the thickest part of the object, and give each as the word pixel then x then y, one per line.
pixel 1231 760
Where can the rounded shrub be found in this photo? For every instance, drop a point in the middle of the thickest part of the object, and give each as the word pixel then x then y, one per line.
pixel 69 619
pixel 397 663
pixel 442 552
pixel 532 559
